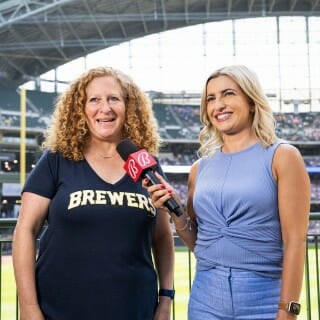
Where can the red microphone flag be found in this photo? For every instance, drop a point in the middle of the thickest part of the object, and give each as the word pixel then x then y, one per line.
pixel 137 162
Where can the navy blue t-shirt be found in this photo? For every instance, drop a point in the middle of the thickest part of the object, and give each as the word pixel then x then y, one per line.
pixel 94 259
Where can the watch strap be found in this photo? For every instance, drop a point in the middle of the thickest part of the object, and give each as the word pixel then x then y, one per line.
pixel 283 306
pixel 167 293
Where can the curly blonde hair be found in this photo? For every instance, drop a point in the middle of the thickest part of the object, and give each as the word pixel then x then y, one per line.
pixel 68 132
pixel 263 120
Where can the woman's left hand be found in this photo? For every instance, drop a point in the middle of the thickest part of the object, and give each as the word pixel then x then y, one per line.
pixel 163 310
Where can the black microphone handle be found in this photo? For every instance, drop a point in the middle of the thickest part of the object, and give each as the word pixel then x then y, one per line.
pixel 171 204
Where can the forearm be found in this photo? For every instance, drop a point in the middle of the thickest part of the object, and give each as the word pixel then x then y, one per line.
pixel 186 229
pixel 164 260
pixel 24 255
pixel 293 269
pixel 163 251
pixel 185 226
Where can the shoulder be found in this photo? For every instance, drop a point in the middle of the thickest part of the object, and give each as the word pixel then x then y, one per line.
pixel 287 158
pixel 49 154
pixel 194 167
pixel 53 161
pixel 51 157
pixel 193 172
pixel 286 150
pixel 56 156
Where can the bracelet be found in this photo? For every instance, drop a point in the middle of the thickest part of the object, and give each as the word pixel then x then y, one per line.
pixel 188 219
pixel 167 293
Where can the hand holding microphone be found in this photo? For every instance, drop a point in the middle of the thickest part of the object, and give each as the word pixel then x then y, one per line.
pixel 140 164
pixel 159 193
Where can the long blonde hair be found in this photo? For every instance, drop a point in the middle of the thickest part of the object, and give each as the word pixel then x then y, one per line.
pixel 263 121
pixel 69 133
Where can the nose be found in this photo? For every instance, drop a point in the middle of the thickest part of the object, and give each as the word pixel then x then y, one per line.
pixel 106 104
pixel 219 104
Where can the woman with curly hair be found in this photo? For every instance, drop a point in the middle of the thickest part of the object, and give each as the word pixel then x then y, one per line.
pixel 95 258
pixel 247 209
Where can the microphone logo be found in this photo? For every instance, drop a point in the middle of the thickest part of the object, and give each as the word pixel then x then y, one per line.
pixel 137 162
pixel 133 171
pixel 144 159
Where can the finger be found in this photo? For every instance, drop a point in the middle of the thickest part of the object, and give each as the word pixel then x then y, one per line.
pixel 158 194
pixel 156 187
pixel 159 202
pixel 145 182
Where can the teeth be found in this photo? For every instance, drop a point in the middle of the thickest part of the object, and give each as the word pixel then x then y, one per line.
pixel 223 116
pixel 105 120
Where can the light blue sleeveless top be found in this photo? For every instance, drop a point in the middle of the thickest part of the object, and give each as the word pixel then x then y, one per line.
pixel 236 204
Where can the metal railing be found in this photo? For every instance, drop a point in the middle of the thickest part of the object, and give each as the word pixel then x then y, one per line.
pixel 311 277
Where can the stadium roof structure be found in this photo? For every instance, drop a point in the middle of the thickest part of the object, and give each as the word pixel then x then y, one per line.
pixel 36 36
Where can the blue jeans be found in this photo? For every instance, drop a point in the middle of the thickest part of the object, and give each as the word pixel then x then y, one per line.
pixel 230 294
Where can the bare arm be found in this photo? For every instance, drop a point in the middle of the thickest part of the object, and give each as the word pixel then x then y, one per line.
pixel 294 207
pixel 163 252
pixel 186 225
pixel 31 218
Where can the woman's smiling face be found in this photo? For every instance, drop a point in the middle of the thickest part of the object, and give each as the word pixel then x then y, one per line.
pixel 105 108
pixel 228 107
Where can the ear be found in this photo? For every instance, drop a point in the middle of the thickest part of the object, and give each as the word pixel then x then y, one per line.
pixel 252 106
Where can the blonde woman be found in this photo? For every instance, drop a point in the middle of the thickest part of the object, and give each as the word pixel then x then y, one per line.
pixel 248 207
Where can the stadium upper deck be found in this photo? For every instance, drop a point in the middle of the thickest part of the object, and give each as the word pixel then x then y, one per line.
pixel 177 122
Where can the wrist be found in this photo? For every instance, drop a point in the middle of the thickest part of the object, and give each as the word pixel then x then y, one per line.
pixel 185 224
pixel 291 307
pixel 168 293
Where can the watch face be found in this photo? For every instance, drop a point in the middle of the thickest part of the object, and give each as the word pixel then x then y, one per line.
pixel 294 308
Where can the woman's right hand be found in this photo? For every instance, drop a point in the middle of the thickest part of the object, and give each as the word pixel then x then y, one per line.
pixel 159 193
pixel 185 224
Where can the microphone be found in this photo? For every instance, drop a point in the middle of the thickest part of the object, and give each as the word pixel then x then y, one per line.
pixel 140 164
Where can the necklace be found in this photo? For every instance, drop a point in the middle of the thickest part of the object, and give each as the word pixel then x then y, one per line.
pixel 105 157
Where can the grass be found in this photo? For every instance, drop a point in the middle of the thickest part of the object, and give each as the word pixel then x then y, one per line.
pixel 8 289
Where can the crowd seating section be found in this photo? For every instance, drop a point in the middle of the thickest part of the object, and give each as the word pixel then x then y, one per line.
pixel 183 122
pixel 176 121
pixel 39 107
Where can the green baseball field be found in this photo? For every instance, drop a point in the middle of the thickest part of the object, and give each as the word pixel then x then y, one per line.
pixel 8 290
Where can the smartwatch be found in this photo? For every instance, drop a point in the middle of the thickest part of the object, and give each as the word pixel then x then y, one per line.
pixel 291 307
pixel 167 293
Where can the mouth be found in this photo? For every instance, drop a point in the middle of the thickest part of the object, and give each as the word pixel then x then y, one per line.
pixel 223 116
pixel 106 120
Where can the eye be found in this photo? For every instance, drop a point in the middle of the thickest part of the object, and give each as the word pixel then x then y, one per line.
pixel 114 98
pixel 210 98
pixel 93 99
pixel 229 93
